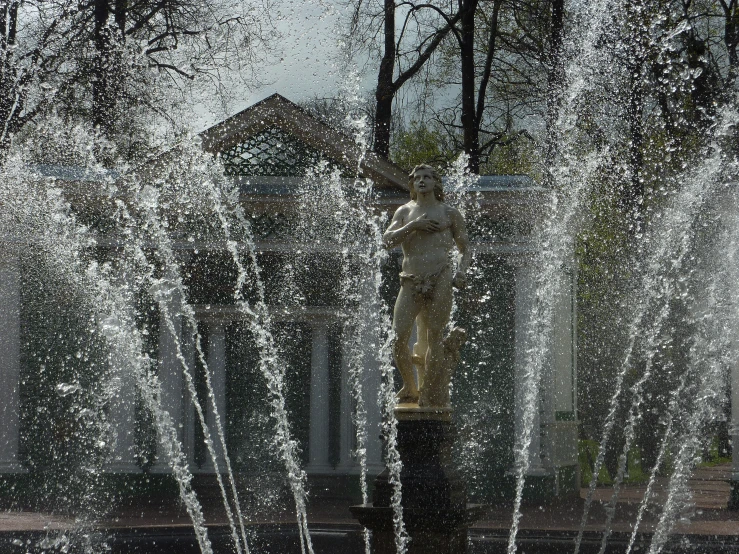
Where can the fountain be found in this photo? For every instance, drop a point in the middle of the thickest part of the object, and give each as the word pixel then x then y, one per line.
pixel 426 494
pixel 152 297
pixel 216 329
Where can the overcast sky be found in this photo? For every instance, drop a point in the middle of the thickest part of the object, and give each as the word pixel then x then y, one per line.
pixel 306 61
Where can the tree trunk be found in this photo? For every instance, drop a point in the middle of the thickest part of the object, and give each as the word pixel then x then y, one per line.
pixel 731 38
pixel 120 16
pixel 10 99
pixel 731 41
pixel 634 194
pixel 385 90
pixel 487 68
pixel 555 78
pixel 471 131
pixel 107 74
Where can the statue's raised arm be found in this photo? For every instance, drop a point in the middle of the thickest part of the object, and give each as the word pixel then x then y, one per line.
pixel 427 230
pixel 459 232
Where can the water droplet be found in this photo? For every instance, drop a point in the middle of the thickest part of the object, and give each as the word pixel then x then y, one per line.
pixel 65 389
pixel 110 326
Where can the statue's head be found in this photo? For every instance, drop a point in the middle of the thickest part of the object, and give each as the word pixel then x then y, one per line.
pixel 438 188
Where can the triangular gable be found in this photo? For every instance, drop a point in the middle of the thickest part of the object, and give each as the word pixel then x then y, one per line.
pixel 240 138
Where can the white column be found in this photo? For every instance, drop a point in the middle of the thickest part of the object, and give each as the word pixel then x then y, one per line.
pixel 171 379
pixel 734 430
pixel 189 421
pixel 371 384
pixel 728 201
pixel 123 420
pixel 217 370
pixel 525 298
pixel 561 393
pixel 370 380
pixel 10 350
pixel 346 424
pixel 371 341
pixel 733 503
pixel 318 438
pixel 559 383
pixel 123 411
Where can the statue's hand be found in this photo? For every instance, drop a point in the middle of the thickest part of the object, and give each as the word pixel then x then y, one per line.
pixel 460 280
pixel 423 223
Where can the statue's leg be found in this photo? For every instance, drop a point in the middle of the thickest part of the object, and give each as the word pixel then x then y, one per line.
pixel 436 381
pixel 406 309
pixel 421 346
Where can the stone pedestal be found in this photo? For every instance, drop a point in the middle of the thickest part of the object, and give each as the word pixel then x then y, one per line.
pixel 434 497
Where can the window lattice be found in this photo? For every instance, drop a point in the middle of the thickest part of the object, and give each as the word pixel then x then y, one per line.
pixel 268 226
pixel 272 153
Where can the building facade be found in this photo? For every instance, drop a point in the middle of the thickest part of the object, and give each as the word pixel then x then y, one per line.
pixel 268 149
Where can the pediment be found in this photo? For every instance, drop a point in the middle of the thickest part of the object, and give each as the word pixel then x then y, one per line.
pixel 277 138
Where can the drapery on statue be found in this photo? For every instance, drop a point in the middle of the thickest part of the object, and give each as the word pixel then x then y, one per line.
pixel 427 229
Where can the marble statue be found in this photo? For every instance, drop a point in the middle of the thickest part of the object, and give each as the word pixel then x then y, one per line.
pixel 427 230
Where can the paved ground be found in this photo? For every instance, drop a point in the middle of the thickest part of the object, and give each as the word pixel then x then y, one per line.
pixel 709 487
pixel 707 515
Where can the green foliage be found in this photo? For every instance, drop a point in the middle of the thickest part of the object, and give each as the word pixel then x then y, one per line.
pixel 587 454
pixel 714 455
pixel 603 251
pixel 517 156
pixel 419 144
pixel 429 143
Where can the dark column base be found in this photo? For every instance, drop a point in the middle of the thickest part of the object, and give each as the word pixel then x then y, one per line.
pixel 733 495
pixel 442 532
pixel 434 498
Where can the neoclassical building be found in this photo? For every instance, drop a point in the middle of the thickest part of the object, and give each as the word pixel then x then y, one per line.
pixel 267 149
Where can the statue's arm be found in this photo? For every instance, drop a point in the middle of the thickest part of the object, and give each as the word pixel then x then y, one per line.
pixel 399 230
pixel 461 239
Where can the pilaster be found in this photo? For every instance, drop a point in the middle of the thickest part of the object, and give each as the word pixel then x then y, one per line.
pixel 123 410
pixel 171 379
pixel 10 303
pixel 216 407
pixel 734 431
pixel 525 297
pixel 346 424
pixel 318 439
pixel 123 420
pixel 371 385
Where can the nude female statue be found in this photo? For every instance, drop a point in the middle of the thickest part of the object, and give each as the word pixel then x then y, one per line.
pixel 427 229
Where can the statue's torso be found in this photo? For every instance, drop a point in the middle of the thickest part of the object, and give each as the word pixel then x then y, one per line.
pixel 426 253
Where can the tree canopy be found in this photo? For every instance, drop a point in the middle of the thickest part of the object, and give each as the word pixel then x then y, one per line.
pixel 112 63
